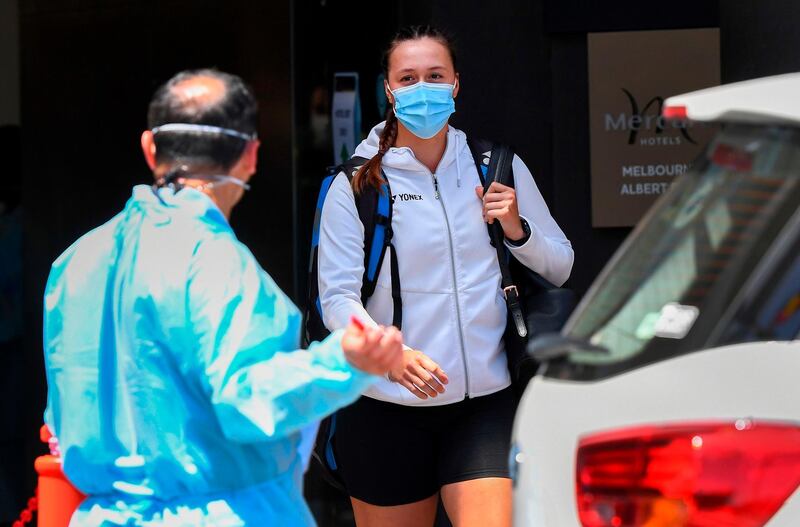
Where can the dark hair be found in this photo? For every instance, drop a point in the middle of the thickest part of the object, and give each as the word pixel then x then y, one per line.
pixel 236 109
pixel 370 173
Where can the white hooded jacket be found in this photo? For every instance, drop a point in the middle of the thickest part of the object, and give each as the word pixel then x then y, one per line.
pixel 453 306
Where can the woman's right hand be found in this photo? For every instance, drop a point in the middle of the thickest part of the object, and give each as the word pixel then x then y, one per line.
pixel 419 374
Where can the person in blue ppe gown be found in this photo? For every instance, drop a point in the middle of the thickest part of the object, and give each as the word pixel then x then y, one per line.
pixel 175 386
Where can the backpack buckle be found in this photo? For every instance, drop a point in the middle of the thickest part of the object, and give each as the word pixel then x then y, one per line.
pixel 511 289
pixel 380 219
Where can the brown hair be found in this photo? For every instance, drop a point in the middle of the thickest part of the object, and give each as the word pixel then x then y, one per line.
pixel 369 175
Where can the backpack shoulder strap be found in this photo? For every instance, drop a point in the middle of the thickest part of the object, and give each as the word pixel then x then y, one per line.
pixel 481 150
pixel 492 159
pixel 375 212
pixel 494 163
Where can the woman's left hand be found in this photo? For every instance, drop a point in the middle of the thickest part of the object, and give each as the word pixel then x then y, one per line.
pixel 500 203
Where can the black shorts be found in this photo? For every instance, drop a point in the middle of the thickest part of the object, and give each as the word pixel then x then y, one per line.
pixel 390 454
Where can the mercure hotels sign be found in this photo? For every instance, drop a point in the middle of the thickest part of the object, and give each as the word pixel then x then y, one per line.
pixel 635 153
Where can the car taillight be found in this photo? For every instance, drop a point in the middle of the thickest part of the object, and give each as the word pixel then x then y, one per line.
pixel 675 112
pixel 691 475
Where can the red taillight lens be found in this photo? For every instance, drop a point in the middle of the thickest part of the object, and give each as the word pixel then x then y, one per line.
pixel 694 475
pixel 675 112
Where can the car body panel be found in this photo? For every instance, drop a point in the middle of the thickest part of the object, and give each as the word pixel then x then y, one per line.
pixel 767 100
pixel 759 381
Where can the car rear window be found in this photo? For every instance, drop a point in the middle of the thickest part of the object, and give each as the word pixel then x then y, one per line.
pixel 679 273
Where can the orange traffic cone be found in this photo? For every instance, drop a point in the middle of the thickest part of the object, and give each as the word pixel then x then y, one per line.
pixel 57 498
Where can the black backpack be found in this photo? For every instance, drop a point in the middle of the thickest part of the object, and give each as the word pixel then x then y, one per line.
pixel 535 306
pixel 532 301
pixel 375 212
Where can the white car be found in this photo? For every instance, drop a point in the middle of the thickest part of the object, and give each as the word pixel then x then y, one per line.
pixel 672 396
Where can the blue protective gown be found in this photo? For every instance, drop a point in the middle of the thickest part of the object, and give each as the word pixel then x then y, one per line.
pixel 176 388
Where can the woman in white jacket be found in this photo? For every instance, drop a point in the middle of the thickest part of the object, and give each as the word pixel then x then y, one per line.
pixel 440 423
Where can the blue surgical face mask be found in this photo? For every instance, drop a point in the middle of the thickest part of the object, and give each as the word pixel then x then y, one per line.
pixel 424 107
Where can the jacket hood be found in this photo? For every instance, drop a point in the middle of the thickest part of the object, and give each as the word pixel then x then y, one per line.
pixel 403 158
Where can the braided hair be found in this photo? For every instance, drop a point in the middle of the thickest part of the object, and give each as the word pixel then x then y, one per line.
pixel 369 175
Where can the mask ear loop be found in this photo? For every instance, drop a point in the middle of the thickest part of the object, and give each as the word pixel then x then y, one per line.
pixel 389 93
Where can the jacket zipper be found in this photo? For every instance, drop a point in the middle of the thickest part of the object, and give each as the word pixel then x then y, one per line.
pixel 437 194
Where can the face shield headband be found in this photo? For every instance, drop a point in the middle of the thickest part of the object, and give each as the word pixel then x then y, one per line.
pixel 203 129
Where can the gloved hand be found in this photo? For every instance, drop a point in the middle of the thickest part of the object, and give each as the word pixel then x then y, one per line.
pixel 373 350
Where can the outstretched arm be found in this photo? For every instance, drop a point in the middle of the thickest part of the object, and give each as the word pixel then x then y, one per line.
pixel 247 332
